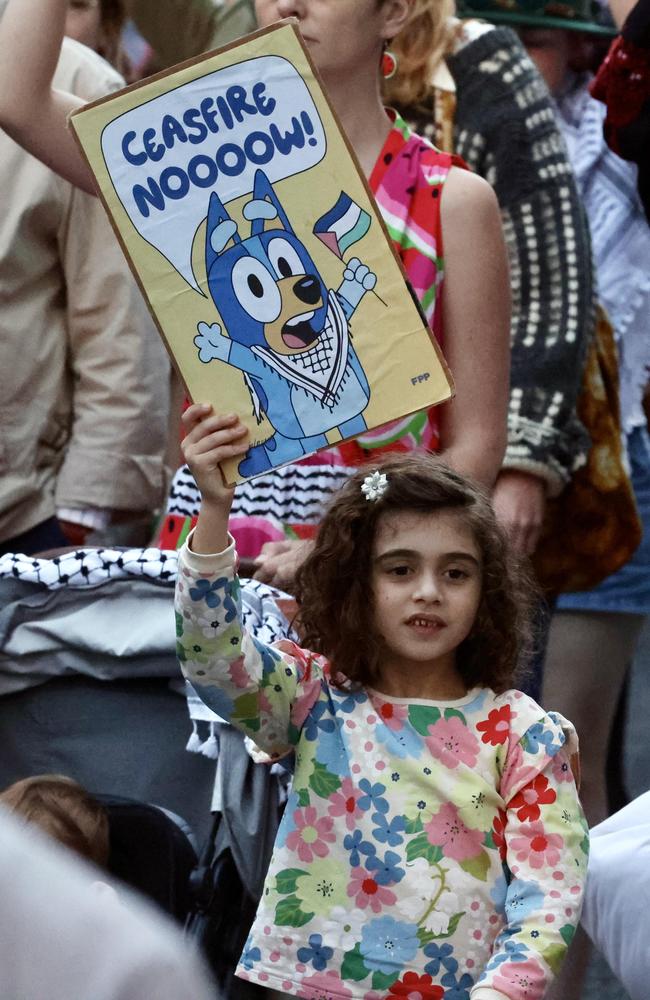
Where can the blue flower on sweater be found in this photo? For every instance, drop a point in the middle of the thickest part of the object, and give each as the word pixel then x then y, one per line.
pixel 330 751
pixel 522 899
pixel 386 870
pixel 388 944
pixel 373 796
pixel 287 823
pixel 315 723
pixel 457 989
pixel 440 955
pixel 509 951
pixel 350 701
pixel 401 743
pixel 250 956
pixel 317 953
pixel 499 892
pixel 538 737
pixel 388 832
pixel 230 607
pixel 206 590
pixel 476 704
pixel 356 845
pixel 270 659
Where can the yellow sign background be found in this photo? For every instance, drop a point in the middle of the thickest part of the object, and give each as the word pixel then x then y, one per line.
pixel 389 333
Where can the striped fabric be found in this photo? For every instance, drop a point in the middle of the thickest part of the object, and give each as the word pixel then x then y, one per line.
pixel 288 502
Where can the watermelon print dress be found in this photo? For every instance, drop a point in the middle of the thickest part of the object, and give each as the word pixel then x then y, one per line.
pixel 407 183
pixel 428 850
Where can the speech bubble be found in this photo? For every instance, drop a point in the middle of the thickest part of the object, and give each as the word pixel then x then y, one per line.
pixel 166 156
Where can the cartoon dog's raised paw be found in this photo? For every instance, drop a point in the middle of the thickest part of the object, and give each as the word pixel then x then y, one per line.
pixel 361 273
pixel 212 343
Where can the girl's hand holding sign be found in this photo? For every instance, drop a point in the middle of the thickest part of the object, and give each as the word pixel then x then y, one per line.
pixel 211 439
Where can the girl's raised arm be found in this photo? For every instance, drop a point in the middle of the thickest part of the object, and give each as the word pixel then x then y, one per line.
pixel 265 692
pixel 31 111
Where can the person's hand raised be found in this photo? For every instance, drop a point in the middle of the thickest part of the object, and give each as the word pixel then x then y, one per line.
pixel 211 439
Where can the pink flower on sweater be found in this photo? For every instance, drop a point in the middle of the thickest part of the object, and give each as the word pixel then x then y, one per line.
pixel 536 846
pixel 302 706
pixel 520 980
pixel 447 830
pixel 324 986
pixel 516 773
pixel 344 803
pixel 367 892
pixel 452 743
pixel 238 673
pixel 561 768
pixel 311 836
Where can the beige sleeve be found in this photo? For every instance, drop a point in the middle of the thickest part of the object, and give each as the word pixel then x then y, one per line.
pixel 119 373
pixel 180 29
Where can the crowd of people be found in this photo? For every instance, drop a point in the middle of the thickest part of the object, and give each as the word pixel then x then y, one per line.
pixel 438 618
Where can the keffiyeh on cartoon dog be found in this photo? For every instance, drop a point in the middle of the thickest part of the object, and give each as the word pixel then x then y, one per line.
pixel 285 331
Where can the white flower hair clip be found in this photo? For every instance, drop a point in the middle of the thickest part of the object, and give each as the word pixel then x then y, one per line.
pixel 375 485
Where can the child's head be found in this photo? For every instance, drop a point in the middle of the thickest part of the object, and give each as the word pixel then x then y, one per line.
pixel 65 811
pixel 427 516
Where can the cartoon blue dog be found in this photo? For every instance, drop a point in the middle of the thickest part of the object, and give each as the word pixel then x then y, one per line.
pixel 286 332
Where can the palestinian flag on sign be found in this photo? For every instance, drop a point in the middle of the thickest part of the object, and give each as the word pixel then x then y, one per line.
pixel 343 225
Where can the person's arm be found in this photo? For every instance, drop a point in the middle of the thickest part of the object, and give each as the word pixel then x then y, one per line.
pixel 31 111
pixel 119 374
pixel 266 691
pixel 503 102
pixel 180 29
pixel 507 130
pixel 476 324
pixel 544 843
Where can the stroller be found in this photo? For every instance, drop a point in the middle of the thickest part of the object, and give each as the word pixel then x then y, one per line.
pixel 227 882
pixel 106 706
pixel 151 850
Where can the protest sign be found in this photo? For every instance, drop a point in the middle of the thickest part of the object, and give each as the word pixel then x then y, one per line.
pixel 259 249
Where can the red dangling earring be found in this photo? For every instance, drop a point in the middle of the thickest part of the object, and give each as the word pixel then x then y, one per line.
pixel 388 64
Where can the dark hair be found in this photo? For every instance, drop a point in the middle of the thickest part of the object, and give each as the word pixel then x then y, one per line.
pixel 113 18
pixel 336 610
pixel 64 810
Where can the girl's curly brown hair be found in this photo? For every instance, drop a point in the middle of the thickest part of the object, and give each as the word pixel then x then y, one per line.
pixel 332 585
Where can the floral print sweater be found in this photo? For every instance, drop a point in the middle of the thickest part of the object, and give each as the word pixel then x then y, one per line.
pixel 428 849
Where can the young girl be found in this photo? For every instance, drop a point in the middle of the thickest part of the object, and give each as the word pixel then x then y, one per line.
pixel 433 845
